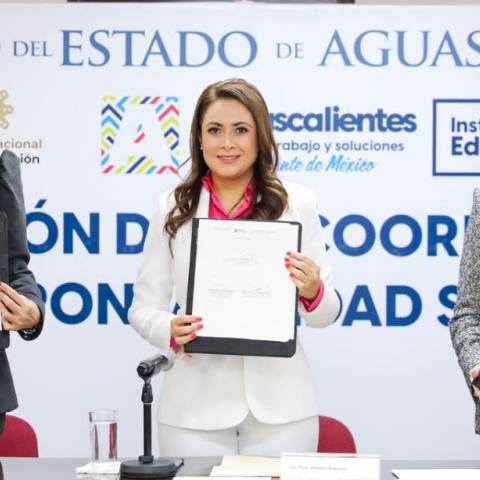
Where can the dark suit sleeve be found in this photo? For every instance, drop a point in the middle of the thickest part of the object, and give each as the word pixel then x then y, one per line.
pixel 11 202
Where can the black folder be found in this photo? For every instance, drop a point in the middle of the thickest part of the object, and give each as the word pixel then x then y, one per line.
pixel 238 346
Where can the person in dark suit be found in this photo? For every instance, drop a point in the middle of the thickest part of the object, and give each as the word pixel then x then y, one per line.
pixel 21 306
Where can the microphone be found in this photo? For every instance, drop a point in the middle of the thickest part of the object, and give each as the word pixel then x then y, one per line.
pixel 147 466
pixel 159 363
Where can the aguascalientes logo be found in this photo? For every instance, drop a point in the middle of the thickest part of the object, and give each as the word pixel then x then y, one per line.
pixel 140 135
pixel 5 109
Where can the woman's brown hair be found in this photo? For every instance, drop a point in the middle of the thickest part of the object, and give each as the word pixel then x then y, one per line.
pixel 270 195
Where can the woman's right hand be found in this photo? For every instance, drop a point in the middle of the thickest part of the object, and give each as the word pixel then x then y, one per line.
pixel 183 329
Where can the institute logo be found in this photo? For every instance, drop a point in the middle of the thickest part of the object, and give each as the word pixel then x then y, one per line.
pixel 5 109
pixel 140 135
pixel 456 137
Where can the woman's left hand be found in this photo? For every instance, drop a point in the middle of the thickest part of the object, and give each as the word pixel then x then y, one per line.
pixel 305 274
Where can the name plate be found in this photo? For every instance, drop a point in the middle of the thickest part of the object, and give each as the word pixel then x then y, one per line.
pixel 316 466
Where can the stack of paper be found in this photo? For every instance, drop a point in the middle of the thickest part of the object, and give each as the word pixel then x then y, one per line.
pixel 247 466
pixel 450 474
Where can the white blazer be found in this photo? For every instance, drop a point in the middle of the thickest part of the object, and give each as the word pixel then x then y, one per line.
pixel 209 392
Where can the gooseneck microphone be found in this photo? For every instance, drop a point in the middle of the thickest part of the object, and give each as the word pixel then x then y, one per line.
pixel 151 366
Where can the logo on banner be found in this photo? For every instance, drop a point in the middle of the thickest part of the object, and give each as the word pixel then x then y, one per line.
pixel 333 119
pixel 352 142
pixel 27 149
pixel 140 135
pixel 456 137
pixel 5 109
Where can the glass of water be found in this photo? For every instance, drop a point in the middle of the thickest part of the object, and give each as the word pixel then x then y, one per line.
pixel 103 435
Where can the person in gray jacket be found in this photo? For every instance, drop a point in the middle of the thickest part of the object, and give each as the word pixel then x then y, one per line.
pixel 465 324
pixel 21 305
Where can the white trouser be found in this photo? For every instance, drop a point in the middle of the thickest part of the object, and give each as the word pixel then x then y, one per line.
pixel 251 437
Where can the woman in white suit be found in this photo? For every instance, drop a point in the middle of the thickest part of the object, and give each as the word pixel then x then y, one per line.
pixel 218 404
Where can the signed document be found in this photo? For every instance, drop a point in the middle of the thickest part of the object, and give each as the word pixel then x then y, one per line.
pixel 238 282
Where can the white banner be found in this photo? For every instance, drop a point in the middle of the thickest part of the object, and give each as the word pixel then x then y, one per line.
pixel 377 109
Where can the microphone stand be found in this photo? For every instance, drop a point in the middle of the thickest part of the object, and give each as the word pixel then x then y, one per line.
pixel 147 466
pixel 147 399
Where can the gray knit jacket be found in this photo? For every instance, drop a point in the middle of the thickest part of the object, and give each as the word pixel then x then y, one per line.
pixel 465 324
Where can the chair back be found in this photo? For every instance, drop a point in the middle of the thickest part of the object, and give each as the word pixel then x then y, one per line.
pixel 335 437
pixel 18 439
